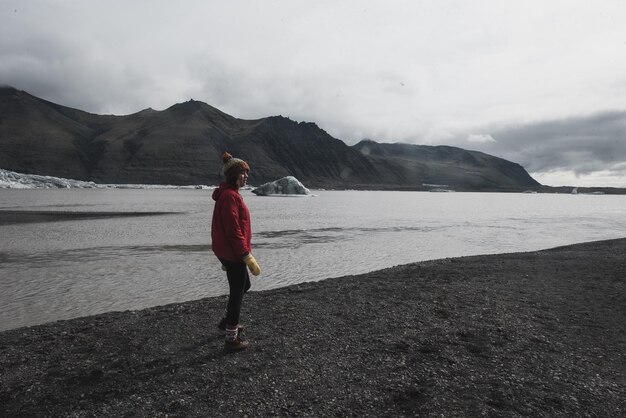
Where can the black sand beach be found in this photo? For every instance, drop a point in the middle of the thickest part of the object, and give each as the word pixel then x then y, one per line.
pixel 525 334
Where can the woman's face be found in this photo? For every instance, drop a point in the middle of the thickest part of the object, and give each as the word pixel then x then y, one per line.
pixel 242 179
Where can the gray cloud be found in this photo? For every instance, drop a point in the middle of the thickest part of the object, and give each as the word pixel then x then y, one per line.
pixel 405 71
pixel 583 145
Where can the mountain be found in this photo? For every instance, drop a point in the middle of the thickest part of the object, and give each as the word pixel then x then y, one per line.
pixel 183 144
pixel 444 167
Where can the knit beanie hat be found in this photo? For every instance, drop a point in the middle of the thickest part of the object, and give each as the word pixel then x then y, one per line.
pixel 233 166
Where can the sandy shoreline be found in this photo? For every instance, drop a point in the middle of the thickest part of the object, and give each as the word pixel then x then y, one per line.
pixel 524 334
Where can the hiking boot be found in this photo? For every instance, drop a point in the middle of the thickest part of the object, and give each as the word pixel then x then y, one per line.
pixel 222 325
pixel 235 345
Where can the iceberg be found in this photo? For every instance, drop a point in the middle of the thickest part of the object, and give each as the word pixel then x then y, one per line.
pixel 13 180
pixel 286 186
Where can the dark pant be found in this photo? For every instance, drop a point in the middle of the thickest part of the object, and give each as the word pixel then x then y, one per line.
pixel 239 283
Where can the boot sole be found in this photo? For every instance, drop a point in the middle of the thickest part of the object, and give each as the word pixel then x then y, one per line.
pixel 229 350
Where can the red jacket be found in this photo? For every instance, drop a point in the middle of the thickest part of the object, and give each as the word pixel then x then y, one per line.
pixel 231 234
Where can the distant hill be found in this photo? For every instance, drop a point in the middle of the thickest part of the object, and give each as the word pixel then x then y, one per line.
pixel 183 144
pixel 444 167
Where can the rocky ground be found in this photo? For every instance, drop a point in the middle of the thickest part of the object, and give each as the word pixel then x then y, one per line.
pixel 527 334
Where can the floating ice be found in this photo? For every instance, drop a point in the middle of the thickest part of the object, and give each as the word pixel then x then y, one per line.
pixel 13 180
pixel 286 186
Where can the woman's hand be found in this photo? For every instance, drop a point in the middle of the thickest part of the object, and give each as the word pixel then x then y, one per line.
pixel 252 264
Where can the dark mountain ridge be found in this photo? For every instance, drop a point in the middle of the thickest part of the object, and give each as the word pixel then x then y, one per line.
pixel 183 144
pixel 445 166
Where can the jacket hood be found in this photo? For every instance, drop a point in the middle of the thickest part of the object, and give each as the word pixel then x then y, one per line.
pixel 222 187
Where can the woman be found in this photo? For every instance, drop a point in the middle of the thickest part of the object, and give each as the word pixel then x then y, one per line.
pixel 231 238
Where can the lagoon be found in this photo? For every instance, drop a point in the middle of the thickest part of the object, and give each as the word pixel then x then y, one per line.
pixel 66 265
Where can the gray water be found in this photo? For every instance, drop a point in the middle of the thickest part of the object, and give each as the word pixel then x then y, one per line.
pixel 65 269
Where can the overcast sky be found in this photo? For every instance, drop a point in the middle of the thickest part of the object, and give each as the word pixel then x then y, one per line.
pixel 541 83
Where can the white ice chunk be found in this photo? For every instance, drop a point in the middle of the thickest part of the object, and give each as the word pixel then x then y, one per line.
pixel 13 180
pixel 285 186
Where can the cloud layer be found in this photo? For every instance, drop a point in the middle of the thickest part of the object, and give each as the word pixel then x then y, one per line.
pixel 421 72
pixel 593 147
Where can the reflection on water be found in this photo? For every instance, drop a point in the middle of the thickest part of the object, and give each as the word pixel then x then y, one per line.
pixel 85 265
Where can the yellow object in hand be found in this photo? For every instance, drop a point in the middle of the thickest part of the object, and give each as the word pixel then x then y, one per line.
pixel 252 264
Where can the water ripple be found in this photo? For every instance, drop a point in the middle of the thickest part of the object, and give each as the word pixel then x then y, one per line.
pixel 10 217
pixel 57 257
